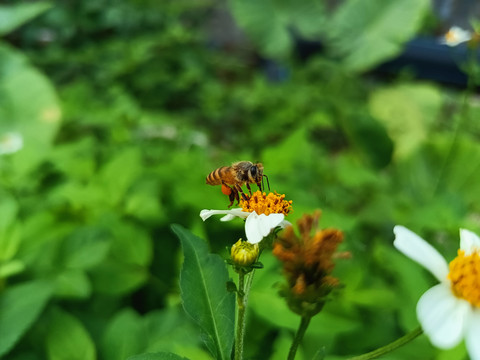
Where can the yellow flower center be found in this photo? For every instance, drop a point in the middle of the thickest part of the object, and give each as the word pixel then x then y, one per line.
pixel 262 203
pixel 465 277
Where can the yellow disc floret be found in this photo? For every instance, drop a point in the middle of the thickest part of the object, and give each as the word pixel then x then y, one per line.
pixel 465 277
pixel 262 203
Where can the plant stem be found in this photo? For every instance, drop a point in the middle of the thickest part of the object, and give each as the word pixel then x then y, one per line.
pixel 242 300
pixel 390 347
pixel 299 336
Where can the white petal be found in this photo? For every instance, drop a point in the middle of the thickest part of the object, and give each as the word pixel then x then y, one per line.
pixel 472 336
pixel 469 241
pixel 420 251
pixel 205 214
pixel 443 316
pixel 259 226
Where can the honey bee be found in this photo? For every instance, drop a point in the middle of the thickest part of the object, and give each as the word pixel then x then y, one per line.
pixel 232 178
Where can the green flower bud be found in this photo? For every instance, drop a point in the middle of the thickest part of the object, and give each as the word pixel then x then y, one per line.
pixel 244 253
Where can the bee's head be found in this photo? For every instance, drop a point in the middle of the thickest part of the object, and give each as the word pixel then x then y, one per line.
pixel 255 173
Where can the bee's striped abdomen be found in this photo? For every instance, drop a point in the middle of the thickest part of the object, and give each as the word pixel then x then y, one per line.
pixel 216 176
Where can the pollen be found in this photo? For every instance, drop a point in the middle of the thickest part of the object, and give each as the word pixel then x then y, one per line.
pixel 262 203
pixel 465 277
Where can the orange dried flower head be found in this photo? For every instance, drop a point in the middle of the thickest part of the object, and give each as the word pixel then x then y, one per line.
pixel 307 262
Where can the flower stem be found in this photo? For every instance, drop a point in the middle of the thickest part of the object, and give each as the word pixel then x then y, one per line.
pixel 390 347
pixel 242 299
pixel 299 336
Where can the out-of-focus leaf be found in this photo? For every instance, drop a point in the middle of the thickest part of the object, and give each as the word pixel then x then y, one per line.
pixel 67 338
pixel 124 336
pixel 282 345
pixel 13 16
pixel 85 248
pixel 34 112
pixel 407 111
pixel 10 268
pixel 118 175
pixel 131 244
pixel 366 33
pixel 20 306
pixel 117 278
pixel 157 356
pixel 171 330
pixel 270 23
pixel 73 283
pixel 204 293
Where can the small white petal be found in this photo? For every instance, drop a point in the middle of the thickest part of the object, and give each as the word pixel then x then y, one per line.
pixel 259 226
pixel 420 251
pixel 205 214
pixel 455 36
pixel 469 241
pixel 443 316
pixel 472 336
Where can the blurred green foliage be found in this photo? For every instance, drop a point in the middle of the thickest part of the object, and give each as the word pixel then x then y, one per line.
pixel 125 106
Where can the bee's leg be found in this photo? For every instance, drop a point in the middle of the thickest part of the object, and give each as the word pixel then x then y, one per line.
pixel 260 187
pixel 249 188
pixel 239 190
pixel 232 197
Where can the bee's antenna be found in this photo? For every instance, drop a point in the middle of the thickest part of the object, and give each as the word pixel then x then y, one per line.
pixel 268 182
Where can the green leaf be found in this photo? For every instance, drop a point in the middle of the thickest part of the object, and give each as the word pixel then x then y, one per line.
pixel 28 105
pixel 13 16
pixel 269 23
pixel 114 278
pixel 407 112
pixel 261 21
pixel 125 336
pixel 118 175
pixel 157 356
pixel 204 293
pixel 85 248
pixel 20 306
pixel 67 338
pixel 73 283
pixel 366 33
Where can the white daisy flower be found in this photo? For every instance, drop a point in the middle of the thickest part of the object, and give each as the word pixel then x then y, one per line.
pixel 262 214
pixel 455 36
pixel 10 143
pixel 449 311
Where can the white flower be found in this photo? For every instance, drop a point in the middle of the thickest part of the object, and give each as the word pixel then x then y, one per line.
pixel 449 311
pixel 256 226
pixel 455 36
pixel 10 143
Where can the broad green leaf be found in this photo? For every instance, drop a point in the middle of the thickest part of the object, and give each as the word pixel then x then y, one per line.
pixel 269 23
pixel 125 336
pixel 10 230
pixel 366 33
pixel 29 106
pixel 67 338
pixel 20 306
pixel 116 278
pixel 11 267
pixel 85 248
pixel 261 21
pixel 171 330
pixel 407 112
pixel 13 16
pixel 157 356
pixel 73 283
pixel 204 293
pixel 131 244
pixel 118 174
